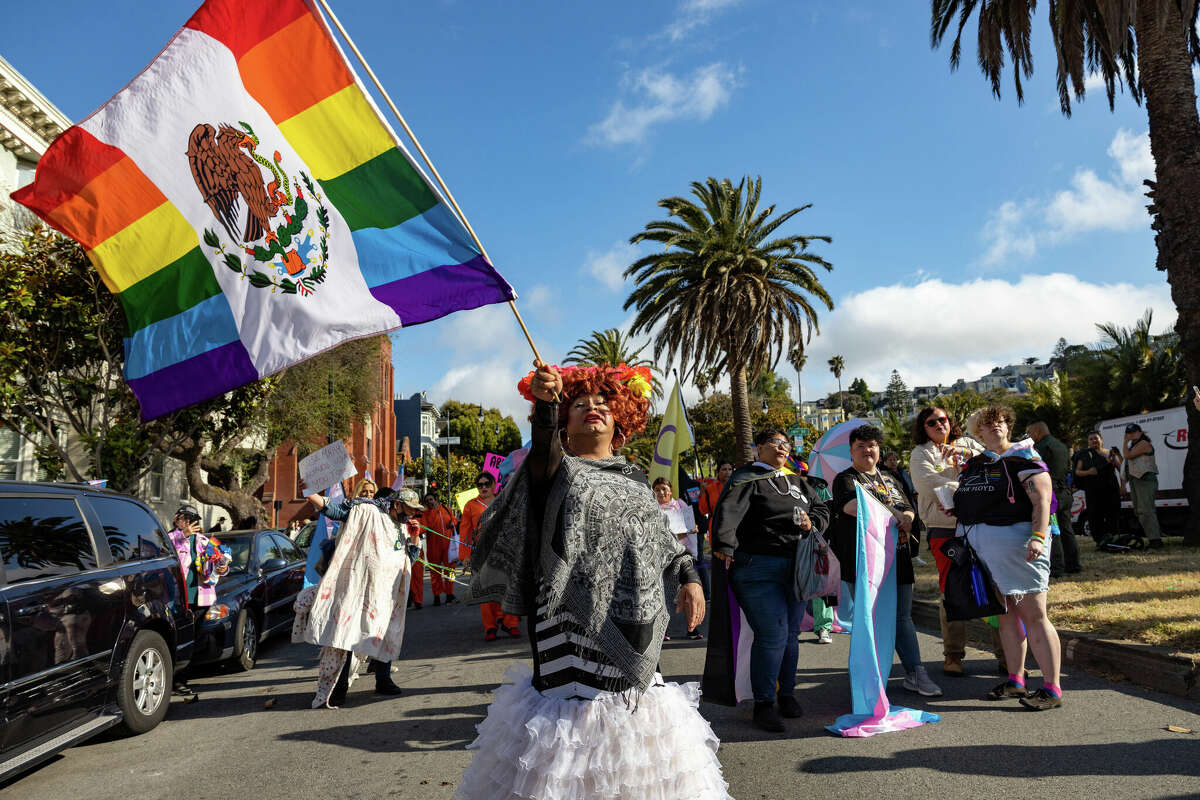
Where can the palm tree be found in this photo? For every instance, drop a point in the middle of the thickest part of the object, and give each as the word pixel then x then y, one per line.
pixel 610 348
pixel 797 358
pixel 1146 47
pixel 724 292
pixel 837 365
pixel 1142 371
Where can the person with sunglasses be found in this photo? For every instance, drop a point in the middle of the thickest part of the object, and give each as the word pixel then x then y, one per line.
pixel 493 618
pixel 761 517
pixel 936 462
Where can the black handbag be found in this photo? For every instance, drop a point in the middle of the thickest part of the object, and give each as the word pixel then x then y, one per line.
pixel 970 591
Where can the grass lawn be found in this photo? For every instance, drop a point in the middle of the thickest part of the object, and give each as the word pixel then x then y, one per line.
pixel 1149 596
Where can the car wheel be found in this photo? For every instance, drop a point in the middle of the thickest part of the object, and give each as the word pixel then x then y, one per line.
pixel 145 689
pixel 245 641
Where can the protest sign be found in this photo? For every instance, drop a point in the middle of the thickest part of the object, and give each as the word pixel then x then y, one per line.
pixel 491 465
pixel 329 465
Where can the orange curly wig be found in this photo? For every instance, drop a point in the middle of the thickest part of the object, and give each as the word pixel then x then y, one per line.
pixel 619 385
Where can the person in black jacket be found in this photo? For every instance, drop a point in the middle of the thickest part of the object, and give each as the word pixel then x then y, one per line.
pixel 865 471
pixel 760 518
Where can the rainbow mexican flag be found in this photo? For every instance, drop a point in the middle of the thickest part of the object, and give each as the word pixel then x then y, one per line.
pixel 247 203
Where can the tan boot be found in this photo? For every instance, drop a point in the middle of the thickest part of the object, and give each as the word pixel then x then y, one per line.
pixel 953 667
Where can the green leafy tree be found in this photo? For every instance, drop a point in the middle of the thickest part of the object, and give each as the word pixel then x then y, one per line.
pixel 897 436
pixel 1149 49
pixel 725 290
pixel 897 396
pixel 495 433
pixel 859 387
pixel 771 386
pixel 447 483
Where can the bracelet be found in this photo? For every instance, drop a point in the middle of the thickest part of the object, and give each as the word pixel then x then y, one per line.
pixel 1041 537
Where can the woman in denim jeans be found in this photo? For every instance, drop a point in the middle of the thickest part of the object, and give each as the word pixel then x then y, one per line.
pixel 761 516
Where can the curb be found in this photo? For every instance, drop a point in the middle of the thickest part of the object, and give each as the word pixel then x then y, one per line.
pixel 1143 664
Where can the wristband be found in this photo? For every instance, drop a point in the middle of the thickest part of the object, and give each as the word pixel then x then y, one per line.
pixel 1041 537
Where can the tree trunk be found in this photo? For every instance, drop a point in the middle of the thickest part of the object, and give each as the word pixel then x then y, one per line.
pixel 240 504
pixel 740 397
pixel 1165 73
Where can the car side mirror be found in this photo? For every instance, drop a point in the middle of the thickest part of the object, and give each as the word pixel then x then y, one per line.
pixel 272 564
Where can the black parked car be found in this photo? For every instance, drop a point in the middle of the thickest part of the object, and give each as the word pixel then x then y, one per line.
pixel 93 618
pixel 254 600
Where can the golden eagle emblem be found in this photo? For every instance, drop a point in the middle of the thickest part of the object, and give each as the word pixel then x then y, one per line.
pixel 228 172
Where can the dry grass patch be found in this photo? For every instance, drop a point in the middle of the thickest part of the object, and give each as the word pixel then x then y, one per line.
pixel 1151 596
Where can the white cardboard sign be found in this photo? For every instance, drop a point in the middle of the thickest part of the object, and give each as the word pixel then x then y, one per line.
pixel 329 465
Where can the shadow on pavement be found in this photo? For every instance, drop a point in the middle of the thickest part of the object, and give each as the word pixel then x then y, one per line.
pixel 1161 757
pixel 400 736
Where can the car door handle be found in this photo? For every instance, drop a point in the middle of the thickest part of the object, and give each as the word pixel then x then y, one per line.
pixel 29 611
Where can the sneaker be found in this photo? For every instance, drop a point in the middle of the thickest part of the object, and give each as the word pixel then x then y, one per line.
pixel 824 637
pixel 513 632
pixel 767 718
pixel 919 681
pixel 451 599
pixel 1006 689
pixel 695 635
pixel 666 638
pixel 490 635
pixel 1042 700
pixel 437 599
pixel 789 707
pixel 416 606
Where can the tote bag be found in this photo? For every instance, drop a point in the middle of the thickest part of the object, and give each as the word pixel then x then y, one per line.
pixel 818 573
pixel 970 591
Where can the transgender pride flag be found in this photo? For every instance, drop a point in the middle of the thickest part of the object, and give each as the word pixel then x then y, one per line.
pixel 250 208
pixel 873 637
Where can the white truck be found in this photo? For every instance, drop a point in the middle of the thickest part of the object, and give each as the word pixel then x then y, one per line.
pixel 1168 431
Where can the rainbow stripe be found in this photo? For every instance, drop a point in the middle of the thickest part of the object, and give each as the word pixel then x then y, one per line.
pixel 187 316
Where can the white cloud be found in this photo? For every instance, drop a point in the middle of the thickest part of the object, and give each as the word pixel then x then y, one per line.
pixel 965 329
pixel 1090 203
pixel 608 266
pixel 658 96
pixel 486 355
pixel 1008 235
pixel 694 13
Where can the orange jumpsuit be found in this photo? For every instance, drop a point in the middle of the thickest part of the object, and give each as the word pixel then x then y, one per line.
pixel 493 618
pixel 416 585
pixel 708 502
pixel 440 522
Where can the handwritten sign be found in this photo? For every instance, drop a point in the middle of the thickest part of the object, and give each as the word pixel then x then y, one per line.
pixel 680 518
pixel 491 465
pixel 329 465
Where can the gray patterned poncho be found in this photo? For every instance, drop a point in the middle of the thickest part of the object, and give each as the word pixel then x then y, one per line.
pixel 617 557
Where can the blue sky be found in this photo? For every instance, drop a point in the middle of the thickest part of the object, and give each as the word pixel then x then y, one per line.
pixel 966 232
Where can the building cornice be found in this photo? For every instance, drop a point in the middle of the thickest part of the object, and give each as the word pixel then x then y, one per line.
pixel 29 122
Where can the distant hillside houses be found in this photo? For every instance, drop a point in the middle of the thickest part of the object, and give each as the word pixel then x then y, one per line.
pixel 1012 379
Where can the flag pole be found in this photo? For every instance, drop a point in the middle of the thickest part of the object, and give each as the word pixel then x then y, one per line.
pixel 437 176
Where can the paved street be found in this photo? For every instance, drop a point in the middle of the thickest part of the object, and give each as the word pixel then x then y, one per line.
pixel 1108 741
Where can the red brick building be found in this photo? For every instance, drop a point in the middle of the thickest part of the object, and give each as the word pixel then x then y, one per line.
pixel 372 445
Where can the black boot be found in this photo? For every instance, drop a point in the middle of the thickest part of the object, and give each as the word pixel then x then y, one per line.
pixel 338 696
pixel 383 678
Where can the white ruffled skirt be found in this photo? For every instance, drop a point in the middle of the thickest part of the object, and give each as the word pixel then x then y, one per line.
pixel 533 746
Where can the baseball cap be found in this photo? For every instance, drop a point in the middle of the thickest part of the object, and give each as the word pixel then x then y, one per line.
pixel 1132 427
pixel 187 510
pixel 409 498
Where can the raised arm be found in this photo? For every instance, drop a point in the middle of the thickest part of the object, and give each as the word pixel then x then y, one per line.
pixel 545 451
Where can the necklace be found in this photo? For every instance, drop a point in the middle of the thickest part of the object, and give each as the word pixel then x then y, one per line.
pixel 875 483
pixel 793 492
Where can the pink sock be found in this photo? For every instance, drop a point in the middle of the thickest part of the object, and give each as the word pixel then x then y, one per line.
pixel 1052 688
pixel 1016 680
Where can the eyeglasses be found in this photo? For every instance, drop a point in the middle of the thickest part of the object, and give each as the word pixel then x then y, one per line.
pixel 779 444
pixel 934 422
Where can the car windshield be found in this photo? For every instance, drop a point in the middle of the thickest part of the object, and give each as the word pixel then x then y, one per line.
pixel 239 549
